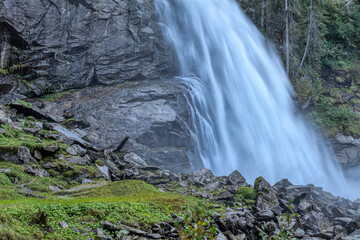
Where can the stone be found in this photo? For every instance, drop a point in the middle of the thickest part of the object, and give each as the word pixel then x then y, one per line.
pixel 221 236
pixel 212 186
pixel 104 170
pixel 71 151
pixel 201 177
pixel 144 111
pixel 71 135
pixel 63 225
pixel 102 235
pixel 80 150
pixel 266 198
pixel 224 196
pixel 134 159
pixel 86 180
pixel 236 178
pixel 109 226
pixel 50 149
pixel 77 160
pixel 5 170
pixel 54 188
pixel 25 155
pixel 37 155
pixel 154 235
pixel 4 119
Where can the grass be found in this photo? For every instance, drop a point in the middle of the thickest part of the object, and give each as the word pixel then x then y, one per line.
pixel 54 97
pixel 131 202
pixel 24 104
pixel 335 119
pixel 4 72
pixel 14 138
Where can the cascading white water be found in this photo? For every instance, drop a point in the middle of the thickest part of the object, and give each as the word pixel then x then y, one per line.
pixel 241 98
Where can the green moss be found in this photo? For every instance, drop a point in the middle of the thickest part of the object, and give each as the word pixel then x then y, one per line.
pixel 54 97
pixel 24 104
pixel 42 184
pixel 31 118
pixel 14 138
pixel 4 72
pixel 257 182
pixel 4 180
pixel 335 118
pixel 17 172
pixel 99 162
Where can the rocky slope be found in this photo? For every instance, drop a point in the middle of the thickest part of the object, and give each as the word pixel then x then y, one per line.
pixel 48 161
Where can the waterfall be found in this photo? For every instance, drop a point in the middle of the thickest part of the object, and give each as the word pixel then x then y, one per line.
pixel 241 98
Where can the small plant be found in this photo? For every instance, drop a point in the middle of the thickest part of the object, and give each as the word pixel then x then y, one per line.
pixel 197 225
pixel 25 104
pixel 286 231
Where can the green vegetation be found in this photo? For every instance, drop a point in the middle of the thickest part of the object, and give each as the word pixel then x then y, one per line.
pixel 4 72
pixel 131 202
pixel 14 138
pixel 24 104
pixel 54 97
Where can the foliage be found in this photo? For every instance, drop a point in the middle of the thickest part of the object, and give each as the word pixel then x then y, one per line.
pixel 24 104
pixel 14 138
pixel 197 224
pixel 334 119
pixel 54 97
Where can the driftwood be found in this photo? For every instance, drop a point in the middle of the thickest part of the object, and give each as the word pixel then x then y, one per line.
pixel 121 145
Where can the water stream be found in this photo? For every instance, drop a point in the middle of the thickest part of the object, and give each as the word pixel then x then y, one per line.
pixel 241 98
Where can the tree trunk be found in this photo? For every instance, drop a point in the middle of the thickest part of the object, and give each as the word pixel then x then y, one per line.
pixel 287 36
pixel 262 14
pixel 307 41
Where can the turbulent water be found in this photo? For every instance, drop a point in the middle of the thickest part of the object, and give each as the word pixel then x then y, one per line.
pixel 241 98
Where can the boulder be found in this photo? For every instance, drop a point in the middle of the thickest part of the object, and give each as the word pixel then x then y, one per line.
pixel 235 178
pixel 266 198
pixel 144 112
pixel 25 155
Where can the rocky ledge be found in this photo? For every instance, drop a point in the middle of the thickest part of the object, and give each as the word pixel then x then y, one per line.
pixel 44 149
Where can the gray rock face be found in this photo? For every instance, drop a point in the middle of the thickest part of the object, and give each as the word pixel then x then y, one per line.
pixel 151 113
pixel 76 43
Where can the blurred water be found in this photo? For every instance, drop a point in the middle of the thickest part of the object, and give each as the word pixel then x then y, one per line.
pixel 241 98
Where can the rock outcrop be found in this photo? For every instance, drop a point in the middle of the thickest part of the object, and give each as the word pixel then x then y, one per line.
pixel 77 43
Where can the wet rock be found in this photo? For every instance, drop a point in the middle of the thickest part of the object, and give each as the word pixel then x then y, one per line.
pixel 80 150
pixel 71 135
pixel 144 111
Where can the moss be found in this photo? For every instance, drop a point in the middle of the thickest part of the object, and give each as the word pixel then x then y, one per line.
pixel 54 97
pixel 11 234
pixel 99 162
pixel 257 182
pixel 17 172
pixel 53 173
pixel 335 118
pixel 4 180
pixel 31 118
pixel 24 104
pixel 14 138
pixel 42 184
pixel 4 72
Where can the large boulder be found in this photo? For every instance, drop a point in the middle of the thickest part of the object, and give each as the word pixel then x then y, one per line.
pixel 76 43
pixel 151 113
